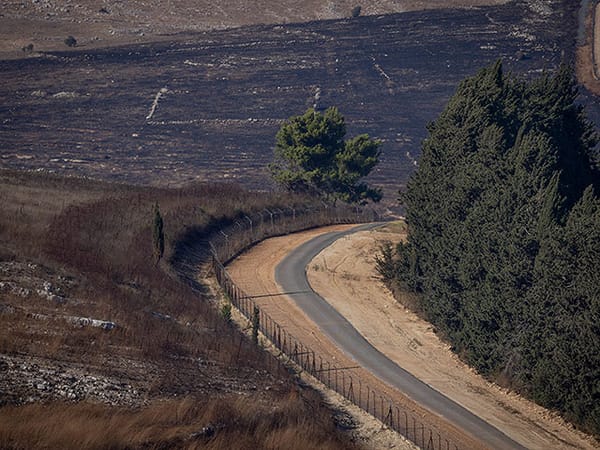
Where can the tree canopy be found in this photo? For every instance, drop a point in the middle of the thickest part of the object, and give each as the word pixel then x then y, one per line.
pixel 503 246
pixel 311 156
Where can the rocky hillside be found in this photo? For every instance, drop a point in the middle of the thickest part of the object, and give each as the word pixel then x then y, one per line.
pixel 47 23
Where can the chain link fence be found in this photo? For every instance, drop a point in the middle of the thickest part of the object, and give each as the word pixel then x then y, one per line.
pixel 248 230
pixel 230 241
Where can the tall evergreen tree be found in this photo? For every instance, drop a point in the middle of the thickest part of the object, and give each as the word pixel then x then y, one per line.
pixel 158 235
pixel 499 195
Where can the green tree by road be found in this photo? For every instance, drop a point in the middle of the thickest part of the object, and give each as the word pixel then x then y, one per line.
pixel 503 247
pixel 312 157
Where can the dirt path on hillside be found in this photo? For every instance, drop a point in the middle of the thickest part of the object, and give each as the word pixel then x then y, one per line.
pixel 596 40
pixel 344 274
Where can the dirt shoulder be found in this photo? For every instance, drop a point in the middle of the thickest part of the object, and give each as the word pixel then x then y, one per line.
pixel 344 275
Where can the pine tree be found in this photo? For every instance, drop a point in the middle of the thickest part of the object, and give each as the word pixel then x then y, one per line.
pixel 312 157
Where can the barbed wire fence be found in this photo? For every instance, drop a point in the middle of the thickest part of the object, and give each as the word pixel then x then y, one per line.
pixel 248 230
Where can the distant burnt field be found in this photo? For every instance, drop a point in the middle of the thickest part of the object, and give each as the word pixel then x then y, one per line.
pixel 208 106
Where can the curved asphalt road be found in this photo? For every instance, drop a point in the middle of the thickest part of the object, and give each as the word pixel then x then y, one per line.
pixel 291 276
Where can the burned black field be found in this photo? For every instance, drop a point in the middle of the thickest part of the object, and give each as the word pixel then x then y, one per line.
pixel 208 106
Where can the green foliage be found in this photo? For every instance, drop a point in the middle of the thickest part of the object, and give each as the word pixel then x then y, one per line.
pixel 384 261
pixel 226 311
pixel 312 157
pixel 158 235
pixel 70 41
pixel 255 324
pixel 503 237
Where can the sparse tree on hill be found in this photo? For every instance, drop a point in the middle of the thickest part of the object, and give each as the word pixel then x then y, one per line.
pixel 70 41
pixel 312 157
pixel 158 236
pixel 255 324
pixel 226 311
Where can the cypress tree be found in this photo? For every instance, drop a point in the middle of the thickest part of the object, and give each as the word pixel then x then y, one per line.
pixel 158 236
pixel 499 210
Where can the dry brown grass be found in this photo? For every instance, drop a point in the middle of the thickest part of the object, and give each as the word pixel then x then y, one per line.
pixel 294 422
pixel 99 236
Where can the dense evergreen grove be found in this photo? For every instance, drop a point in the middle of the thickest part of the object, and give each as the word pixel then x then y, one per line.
pixel 503 247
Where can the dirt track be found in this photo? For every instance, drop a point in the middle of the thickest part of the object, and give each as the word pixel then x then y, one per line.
pixel 596 39
pixel 344 275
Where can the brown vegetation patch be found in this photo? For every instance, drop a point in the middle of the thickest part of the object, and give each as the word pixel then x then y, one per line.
pixel 292 421
pixel 95 334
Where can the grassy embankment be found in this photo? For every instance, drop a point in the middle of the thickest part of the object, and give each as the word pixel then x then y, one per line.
pixel 201 381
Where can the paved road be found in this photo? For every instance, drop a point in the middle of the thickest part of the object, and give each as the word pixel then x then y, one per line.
pixel 291 276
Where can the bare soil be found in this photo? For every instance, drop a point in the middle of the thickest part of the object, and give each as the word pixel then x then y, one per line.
pixel 46 23
pixel 588 54
pixel 344 274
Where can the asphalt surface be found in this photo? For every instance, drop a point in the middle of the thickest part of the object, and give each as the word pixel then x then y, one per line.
pixel 290 274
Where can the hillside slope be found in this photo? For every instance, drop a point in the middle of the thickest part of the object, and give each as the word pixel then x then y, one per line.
pixel 46 23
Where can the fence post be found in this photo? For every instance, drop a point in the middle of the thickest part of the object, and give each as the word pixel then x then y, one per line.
pixel 415 429
pixel 320 368
pixel 359 393
pixel 250 222
pixel 226 245
pixel 351 391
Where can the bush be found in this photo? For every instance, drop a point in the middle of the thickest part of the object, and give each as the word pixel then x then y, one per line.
pixel 356 11
pixel 226 311
pixel 70 41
